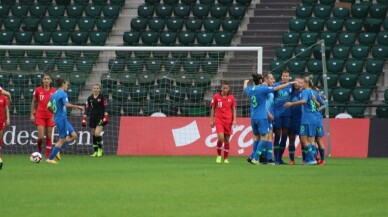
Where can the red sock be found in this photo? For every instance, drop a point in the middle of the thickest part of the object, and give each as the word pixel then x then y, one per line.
pixel 48 147
pixel 219 147
pixel 226 151
pixel 40 141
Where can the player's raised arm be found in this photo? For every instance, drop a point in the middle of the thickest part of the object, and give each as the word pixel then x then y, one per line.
pixel 283 85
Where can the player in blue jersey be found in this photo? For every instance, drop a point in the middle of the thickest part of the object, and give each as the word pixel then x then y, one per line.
pixel 282 116
pixel 320 132
pixel 57 105
pixel 296 116
pixel 310 107
pixel 271 113
pixel 259 114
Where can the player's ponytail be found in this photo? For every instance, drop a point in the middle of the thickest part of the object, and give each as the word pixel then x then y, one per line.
pixel 257 78
pixel 309 81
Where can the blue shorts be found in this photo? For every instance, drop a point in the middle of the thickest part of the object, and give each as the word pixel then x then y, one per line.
pixel 320 130
pixel 309 130
pixel 295 127
pixel 64 128
pixel 260 126
pixel 282 122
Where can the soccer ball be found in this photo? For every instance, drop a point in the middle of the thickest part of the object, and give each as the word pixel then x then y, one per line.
pixel 35 157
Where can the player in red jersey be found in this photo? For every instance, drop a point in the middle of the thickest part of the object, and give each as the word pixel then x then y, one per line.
pixel 43 118
pixel 4 119
pixel 223 117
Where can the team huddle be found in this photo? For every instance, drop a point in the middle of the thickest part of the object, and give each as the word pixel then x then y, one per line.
pixel 49 108
pixel 286 109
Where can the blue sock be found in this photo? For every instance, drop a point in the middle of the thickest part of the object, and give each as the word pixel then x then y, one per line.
pixel 304 157
pixel 254 147
pixel 65 144
pixel 322 153
pixel 269 150
pixel 291 151
pixel 276 146
pixel 283 144
pixel 310 153
pixel 259 150
pixel 54 152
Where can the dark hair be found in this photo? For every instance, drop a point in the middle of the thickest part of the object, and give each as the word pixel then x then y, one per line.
pixel 257 78
pixel 59 82
pixel 266 74
pixel 225 83
pixel 285 71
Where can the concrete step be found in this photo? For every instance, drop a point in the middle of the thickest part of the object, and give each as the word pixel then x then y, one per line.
pixel 270 19
pixel 260 33
pixel 281 1
pixel 278 12
pixel 276 26
pixel 262 40
pixel 276 5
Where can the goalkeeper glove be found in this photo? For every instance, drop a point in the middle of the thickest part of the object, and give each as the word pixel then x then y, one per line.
pixel 84 121
pixel 105 120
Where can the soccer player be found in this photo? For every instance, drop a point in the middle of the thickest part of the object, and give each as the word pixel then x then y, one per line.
pixel 223 117
pixel 57 105
pixel 309 125
pixel 282 117
pixel 98 117
pixel 4 119
pixel 268 144
pixel 259 115
pixel 43 118
pixel 321 132
pixel 296 116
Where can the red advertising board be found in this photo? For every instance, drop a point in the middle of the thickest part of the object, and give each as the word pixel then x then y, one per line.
pixel 194 136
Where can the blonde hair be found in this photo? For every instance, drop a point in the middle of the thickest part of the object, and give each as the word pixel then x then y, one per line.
pixel 309 81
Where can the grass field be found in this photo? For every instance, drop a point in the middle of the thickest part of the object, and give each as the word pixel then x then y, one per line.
pixel 191 186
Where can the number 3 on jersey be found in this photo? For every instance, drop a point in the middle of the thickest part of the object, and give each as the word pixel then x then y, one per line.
pixel 219 104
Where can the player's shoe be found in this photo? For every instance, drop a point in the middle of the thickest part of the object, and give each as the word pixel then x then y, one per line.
pixel 322 163
pixel 99 152
pixel 312 162
pixel 58 156
pixel 94 154
pixel 1 164
pixel 255 162
pixel 271 162
pixel 249 160
pixel 51 161
pixel 291 163
pixel 226 161
pixel 218 159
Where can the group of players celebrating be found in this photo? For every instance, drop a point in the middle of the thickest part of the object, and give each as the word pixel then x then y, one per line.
pixel 49 109
pixel 286 109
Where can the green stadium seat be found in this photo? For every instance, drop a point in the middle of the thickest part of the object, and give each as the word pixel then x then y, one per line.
pixel 382 112
pixel 382 38
pixel 303 52
pixel 130 109
pixel 170 2
pixel 212 24
pixel 386 95
pixel 360 52
pixel 184 80
pixel 303 11
pixel 84 64
pixel 86 24
pixel 99 2
pixel 150 108
pixel 79 37
pixel 284 53
pixel 193 24
pixel 57 11
pixel 182 10
pixel 73 93
pixel 380 52
pixel 165 79
pixel 315 24
pixel 65 64
pixel 188 110
pixel 186 38
pixel 74 11
pixel 116 65
pixel 223 38
pixel 354 66
pixel 23 109
pixel 16 92
pixel 177 94
pixel 244 2
pixel 309 2
pixel 4 10
pixel 98 38
pixel 347 38
pixel 154 65
pixel 334 24
pixel 142 54
pixel 67 23
pixel 104 24
pixel 175 24
pixel 202 80
pixel 117 2
pixel 38 10
pixel 167 38
pixel 156 24
pixel 172 65
pixel 23 38
pixel 296 66
pixel 191 65
pixel 73 54
pixel 322 11
pixel 308 38
pixel 21 79
pixel 27 64
pixel 93 11
pixel 111 11
pixel 385 24
pixel 237 11
pixel 77 79
pixel 330 38
pixel 146 79
pixel 332 80
pixel 230 24
pixel 191 2
pixel 317 51
pixel 145 11
pixel 9 63
pixel 46 64
pixel 12 23
pixel 30 23
pixel 210 65
pixel 19 10
pixel 366 38
pixel 218 11
pixel 139 24
pixel 374 66
pixel 108 80
pixel 5 78
pixel 225 2
pixel 360 10
pixel 378 11
pixel 127 79
pixel 28 93
pixel 297 25
pixel 368 80
pixel 53 54
pixel 277 66
pixel 158 94
pixel 356 110
pixel 291 38
pixel 49 24
pixel 341 95
pixel 372 25
pixel 347 80
pixel 200 11
pixel 60 37
pixel 361 94
pixel 341 52
pixel 195 94
pixel 341 12
pixel 314 66
pixel 353 25
pixel 163 11
pixel 150 38
pixel 120 93
pixel 9 2
pixel 131 38
pixel 327 2
pixel 335 65
pixel 205 39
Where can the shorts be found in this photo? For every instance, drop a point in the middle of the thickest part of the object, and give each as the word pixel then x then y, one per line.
pixel 295 127
pixel 224 128
pixel 64 128
pixel 282 122
pixel 260 126
pixel 320 130
pixel 270 124
pixel 309 130
pixel 2 125
pixel 95 121
pixel 45 122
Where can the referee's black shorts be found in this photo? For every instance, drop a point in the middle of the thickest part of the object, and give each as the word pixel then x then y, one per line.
pixel 95 120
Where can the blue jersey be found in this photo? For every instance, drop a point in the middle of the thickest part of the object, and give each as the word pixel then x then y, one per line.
pixel 281 97
pixel 57 103
pixel 309 109
pixel 296 111
pixel 321 102
pixel 258 99
pixel 270 103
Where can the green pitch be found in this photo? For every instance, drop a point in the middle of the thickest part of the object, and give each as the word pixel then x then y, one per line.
pixel 191 186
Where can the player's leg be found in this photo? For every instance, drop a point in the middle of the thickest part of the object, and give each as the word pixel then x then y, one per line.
pixel 97 133
pixel 263 131
pixel 49 136
pixel 40 129
pixel 321 146
pixel 256 139
pixel 62 133
pixel 1 145
pixel 94 142
pixel 220 141
pixel 278 134
pixel 285 128
pixel 269 147
pixel 226 148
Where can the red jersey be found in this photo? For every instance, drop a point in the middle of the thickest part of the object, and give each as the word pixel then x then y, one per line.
pixel 223 108
pixel 43 98
pixel 3 104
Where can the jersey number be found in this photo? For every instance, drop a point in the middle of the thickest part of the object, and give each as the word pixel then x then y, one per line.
pixel 54 106
pixel 219 104
pixel 254 101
